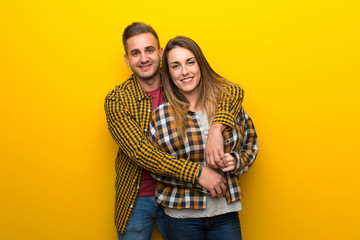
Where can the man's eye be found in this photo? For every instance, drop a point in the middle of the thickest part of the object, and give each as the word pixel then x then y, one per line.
pixel 135 53
pixel 150 50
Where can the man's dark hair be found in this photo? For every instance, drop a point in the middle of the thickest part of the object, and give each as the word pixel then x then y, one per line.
pixel 137 28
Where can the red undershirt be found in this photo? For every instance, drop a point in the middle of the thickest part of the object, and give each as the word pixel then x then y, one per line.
pixel 147 188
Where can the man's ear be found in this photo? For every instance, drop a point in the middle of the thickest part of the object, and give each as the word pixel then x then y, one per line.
pixel 127 59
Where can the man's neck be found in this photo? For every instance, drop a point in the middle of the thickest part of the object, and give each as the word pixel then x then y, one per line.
pixel 149 84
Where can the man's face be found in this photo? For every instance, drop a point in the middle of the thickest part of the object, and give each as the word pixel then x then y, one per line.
pixel 143 56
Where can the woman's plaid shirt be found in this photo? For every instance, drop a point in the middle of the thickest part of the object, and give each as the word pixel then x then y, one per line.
pixel 163 134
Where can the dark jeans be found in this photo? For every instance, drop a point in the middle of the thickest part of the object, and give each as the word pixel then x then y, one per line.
pixel 141 224
pixel 224 227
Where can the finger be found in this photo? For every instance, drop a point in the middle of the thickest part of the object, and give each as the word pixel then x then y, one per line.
pixel 212 163
pixel 226 161
pixel 230 163
pixel 219 192
pixel 221 153
pixel 223 189
pixel 224 181
pixel 215 166
pixel 209 159
pixel 213 193
pixel 219 161
pixel 230 160
pixel 228 168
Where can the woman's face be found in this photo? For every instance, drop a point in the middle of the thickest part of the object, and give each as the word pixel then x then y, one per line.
pixel 184 71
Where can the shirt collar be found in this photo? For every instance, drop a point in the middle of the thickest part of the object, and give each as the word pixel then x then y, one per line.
pixel 140 93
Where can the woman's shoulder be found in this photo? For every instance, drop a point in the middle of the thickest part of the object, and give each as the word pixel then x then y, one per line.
pixel 162 110
pixel 162 107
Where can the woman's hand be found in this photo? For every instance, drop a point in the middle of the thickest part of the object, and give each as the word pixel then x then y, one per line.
pixel 229 162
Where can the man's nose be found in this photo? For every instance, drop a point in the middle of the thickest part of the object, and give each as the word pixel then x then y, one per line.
pixel 144 57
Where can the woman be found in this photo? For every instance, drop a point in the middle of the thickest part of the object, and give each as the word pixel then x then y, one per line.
pixel 180 127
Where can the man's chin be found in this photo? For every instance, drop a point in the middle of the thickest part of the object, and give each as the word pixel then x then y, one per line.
pixel 147 76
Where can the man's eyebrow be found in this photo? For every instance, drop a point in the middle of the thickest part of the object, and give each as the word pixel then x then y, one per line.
pixel 134 50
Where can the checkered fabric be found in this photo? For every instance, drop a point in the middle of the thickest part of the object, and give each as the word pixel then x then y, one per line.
pixel 128 111
pixel 241 141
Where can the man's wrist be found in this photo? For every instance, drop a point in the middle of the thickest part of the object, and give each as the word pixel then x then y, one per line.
pixel 218 126
pixel 199 172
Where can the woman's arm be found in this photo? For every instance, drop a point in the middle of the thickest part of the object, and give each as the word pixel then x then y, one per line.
pixel 246 154
pixel 229 104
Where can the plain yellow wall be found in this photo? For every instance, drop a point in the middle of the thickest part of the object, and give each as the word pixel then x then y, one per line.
pixel 298 62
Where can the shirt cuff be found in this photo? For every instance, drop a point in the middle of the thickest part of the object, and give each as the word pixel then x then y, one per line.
pixel 189 172
pixel 225 119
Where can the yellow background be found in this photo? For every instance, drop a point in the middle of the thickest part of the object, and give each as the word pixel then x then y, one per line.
pixel 298 62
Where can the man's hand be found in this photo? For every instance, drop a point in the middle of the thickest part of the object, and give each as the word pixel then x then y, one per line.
pixel 230 161
pixel 213 181
pixel 214 148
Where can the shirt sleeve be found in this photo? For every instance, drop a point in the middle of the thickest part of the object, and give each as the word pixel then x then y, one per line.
pixel 229 105
pixel 133 142
pixel 246 154
pixel 175 183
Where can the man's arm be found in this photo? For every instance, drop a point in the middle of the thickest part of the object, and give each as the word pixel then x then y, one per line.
pixel 229 105
pixel 206 183
pixel 130 138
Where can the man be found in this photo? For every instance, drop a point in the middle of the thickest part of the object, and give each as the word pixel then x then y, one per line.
pixel 128 109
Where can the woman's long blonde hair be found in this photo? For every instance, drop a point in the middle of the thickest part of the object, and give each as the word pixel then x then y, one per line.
pixel 211 83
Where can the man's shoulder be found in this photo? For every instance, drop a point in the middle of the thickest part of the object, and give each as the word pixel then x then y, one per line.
pixel 121 89
pixel 233 86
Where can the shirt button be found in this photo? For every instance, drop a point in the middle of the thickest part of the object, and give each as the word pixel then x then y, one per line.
pixel 145 130
pixel 149 110
pixel 137 187
pixel 131 206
